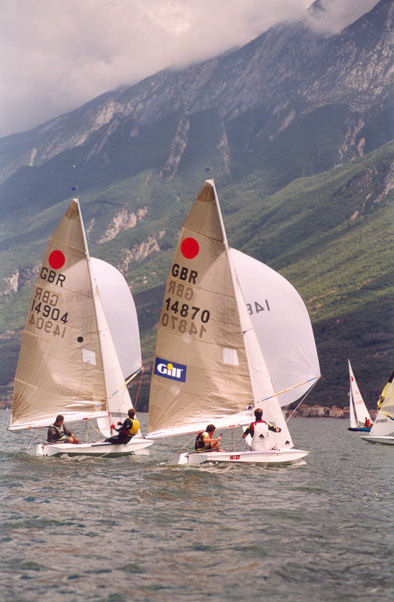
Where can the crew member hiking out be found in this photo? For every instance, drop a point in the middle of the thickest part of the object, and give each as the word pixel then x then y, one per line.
pixel 127 430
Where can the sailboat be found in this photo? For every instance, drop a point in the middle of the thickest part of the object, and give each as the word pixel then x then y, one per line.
pixel 360 420
pixel 233 335
pixel 80 342
pixel 383 427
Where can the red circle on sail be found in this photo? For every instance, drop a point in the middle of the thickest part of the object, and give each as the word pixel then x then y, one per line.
pixel 56 260
pixel 190 248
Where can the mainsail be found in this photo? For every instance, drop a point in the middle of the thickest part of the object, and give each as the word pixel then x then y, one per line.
pixel 209 365
pixel 358 410
pixel 200 370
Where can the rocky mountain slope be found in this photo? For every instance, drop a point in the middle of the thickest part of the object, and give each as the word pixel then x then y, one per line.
pixel 289 76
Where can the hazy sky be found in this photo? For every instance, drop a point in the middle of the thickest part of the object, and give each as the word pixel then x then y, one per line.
pixel 58 54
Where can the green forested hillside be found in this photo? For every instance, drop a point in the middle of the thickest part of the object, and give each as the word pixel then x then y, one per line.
pixel 330 235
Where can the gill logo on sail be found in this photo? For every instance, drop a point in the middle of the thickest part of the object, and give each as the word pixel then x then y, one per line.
pixel 170 370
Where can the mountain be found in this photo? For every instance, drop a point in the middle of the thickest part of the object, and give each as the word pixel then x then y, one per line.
pixel 291 111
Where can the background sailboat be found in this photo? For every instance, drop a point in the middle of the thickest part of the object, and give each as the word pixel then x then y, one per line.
pixel 216 357
pixel 80 341
pixel 383 427
pixel 360 420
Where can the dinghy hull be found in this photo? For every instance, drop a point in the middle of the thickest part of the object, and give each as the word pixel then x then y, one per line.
pixel 98 449
pixel 382 439
pixel 363 428
pixel 271 457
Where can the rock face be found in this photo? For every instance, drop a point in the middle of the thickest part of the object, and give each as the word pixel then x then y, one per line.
pixel 15 280
pixel 285 81
pixel 122 220
pixel 141 251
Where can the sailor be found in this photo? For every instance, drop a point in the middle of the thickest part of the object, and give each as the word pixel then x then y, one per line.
pixel 127 430
pixel 204 441
pixel 59 433
pixel 258 430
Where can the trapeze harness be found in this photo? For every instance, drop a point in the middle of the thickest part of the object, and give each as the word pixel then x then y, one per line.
pixel 260 436
pixel 259 433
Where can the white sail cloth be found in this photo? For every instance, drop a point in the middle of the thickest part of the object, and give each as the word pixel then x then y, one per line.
pixel 282 325
pixel 357 408
pixel 121 314
pixel 119 339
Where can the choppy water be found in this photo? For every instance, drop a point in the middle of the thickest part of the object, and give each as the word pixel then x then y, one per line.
pixel 137 528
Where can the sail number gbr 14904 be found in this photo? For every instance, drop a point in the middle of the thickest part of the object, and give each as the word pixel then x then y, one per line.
pixel 45 315
pixel 184 318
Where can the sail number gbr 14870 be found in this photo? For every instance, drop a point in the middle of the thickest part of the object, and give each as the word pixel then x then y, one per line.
pixel 184 318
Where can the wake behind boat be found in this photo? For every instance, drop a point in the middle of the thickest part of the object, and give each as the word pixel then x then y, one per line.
pixel 383 427
pixel 360 420
pixel 80 341
pixel 233 335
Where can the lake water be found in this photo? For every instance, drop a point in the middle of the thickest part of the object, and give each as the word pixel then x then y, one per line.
pixel 137 528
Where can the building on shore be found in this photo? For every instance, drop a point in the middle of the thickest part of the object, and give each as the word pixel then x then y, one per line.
pixel 336 412
pixel 317 411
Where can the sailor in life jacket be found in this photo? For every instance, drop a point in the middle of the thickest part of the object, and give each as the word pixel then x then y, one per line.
pixel 258 430
pixel 59 433
pixel 127 430
pixel 204 441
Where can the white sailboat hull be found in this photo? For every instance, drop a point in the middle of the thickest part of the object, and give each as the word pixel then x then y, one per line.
pixel 99 448
pixel 270 457
pixel 383 439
